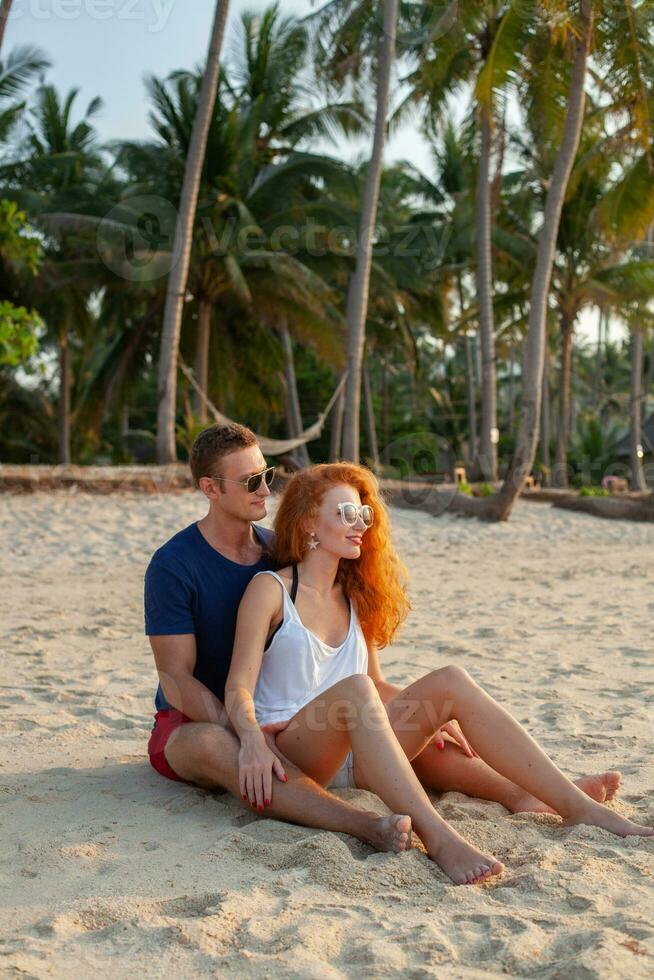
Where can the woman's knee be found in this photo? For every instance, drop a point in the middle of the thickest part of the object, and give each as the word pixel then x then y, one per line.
pixel 360 686
pixel 451 678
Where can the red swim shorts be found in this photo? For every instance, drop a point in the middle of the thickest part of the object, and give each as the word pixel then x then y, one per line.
pixel 166 721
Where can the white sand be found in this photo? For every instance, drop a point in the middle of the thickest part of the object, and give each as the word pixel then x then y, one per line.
pixel 106 866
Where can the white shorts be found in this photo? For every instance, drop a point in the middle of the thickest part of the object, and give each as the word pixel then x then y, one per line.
pixel 344 778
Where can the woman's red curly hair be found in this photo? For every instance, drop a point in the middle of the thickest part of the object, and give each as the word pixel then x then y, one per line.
pixel 376 582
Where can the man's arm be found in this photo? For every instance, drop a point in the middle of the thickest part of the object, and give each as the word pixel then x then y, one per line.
pixel 175 659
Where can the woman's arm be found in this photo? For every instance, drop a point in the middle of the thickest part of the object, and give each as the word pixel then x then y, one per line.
pixel 386 690
pixel 259 607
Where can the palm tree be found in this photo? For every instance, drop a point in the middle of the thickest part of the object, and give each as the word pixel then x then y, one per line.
pixel 471 49
pixel 5 10
pixel 178 277
pixel 635 411
pixel 624 53
pixel 59 180
pixel 265 110
pixel 380 38
pixel 358 290
pixel 16 72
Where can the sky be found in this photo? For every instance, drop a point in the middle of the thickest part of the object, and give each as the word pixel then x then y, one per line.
pixel 106 47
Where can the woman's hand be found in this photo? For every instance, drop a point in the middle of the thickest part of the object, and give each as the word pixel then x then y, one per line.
pixel 256 764
pixel 453 729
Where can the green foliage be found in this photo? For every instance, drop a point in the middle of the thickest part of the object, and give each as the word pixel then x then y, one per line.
pixel 20 247
pixel 593 449
pixel 18 333
pixel 585 491
pixel 288 87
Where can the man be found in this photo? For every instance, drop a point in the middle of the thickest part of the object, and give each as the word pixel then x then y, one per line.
pixel 193 586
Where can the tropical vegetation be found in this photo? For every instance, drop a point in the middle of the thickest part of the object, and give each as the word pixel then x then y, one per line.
pixel 232 259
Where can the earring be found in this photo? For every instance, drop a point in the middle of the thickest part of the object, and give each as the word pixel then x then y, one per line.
pixel 313 541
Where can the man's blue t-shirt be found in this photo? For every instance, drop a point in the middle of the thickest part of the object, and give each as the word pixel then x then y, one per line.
pixel 191 588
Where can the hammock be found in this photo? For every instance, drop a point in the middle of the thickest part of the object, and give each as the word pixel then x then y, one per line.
pixel 269 447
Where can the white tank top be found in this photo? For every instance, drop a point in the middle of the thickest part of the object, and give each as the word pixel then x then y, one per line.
pixel 298 666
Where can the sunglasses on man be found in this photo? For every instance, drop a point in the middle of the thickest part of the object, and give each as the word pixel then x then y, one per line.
pixel 253 482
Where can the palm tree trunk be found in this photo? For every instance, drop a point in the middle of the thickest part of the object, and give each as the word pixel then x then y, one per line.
pixel 64 399
pixel 573 388
pixel 336 431
pixel 358 292
pixel 635 431
pixel 128 350
pixel 294 413
pixel 545 435
pixel 5 10
pixel 178 277
pixel 487 456
pixel 534 352
pixel 469 354
pixel 511 412
pixel 202 358
pixel 370 418
pixel 563 429
pixel 476 349
pixel 597 379
pixel 386 428
pixel 470 396
pixel 649 377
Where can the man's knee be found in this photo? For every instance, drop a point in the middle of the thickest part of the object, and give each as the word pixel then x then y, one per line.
pixel 204 750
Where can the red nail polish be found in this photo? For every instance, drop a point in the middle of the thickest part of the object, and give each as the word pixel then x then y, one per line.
pixel 267 802
pixel 244 796
pixel 259 808
pixel 285 778
pixel 442 746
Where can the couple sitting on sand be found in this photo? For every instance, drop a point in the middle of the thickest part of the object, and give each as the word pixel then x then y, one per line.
pixel 270 682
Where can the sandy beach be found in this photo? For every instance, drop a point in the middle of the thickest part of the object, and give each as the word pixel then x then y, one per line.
pixel 106 866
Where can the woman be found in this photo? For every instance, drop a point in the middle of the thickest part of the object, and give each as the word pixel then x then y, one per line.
pixel 309 668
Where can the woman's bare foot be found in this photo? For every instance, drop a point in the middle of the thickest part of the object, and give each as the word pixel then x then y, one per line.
pixel 392 833
pixel 598 816
pixel 460 861
pixel 601 788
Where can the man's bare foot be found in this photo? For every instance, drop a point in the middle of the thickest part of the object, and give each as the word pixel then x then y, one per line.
pixel 462 862
pixel 602 787
pixel 599 816
pixel 392 833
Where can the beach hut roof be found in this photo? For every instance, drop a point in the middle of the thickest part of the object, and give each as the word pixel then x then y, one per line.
pixel 623 447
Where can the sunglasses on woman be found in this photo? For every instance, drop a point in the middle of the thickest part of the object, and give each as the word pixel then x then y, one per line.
pixel 253 482
pixel 350 513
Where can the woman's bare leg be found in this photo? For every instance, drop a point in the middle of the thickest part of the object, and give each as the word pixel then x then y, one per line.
pixel 351 713
pixel 501 741
pixel 451 770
